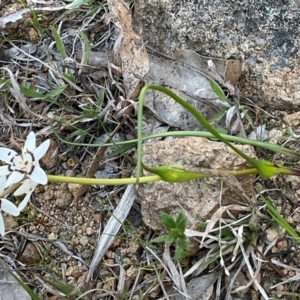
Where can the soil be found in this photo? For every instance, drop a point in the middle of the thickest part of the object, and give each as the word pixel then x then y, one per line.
pixel 54 239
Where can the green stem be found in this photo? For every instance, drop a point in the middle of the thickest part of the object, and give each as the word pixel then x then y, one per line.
pixel 192 110
pixel 126 181
pixel 231 138
pixel 101 181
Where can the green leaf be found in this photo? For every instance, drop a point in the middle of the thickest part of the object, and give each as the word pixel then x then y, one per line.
pixel 119 150
pixel 168 221
pixel 55 92
pixel 218 90
pixel 59 42
pixel 87 47
pixel 280 220
pixel 69 76
pixel 183 242
pixel 76 4
pixel 162 239
pixel 181 222
pixel 181 253
pixel 31 293
pixel 63 288
pixel 100 99
pixel 35 22
pixel 218 116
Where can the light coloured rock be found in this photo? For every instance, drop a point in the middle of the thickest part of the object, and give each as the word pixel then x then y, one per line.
pixel 198 198
pixel 9 287
pixel 264 34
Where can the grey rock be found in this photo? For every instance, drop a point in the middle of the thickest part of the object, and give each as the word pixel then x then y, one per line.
pixel 10 289
pixel 264 34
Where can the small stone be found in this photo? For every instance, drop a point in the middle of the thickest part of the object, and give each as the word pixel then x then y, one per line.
pixel 83 228
pixel 53 236
pixel 260 42
pixel 74 188
pixel 84 241
pixel 98 218
pixel 110 254
pixel 282 245
pixel 69 271
pixel 77 273
pixel 89 231
pixel 271 234
pixel 63 196
pixel 9 222
pixel 30 255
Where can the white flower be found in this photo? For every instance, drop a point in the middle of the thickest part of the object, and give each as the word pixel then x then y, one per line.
pixel 27 187
pixel 18 166
pixel 6 206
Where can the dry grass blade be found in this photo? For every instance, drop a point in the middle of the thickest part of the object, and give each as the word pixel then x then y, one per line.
pixel 112 228
pixel 58 74
pixel 17 93
pixel 121 282
pixel 177 277
pixel 217 216
pixel 252 273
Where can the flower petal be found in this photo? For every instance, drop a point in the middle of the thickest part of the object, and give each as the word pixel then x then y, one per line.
pixel 41 150
pixel 30 142
pixel 27 186
pixel 2 228
pixel 7 154
pixel 38 175
pixel 24 202
pixel 4 170
pixel 13 178
pixel 2 184
pixel 9 207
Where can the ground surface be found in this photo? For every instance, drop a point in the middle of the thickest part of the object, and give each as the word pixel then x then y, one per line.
pixel 54 239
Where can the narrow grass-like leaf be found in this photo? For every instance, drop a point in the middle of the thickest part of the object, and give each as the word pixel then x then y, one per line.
pixel 87 47
pixel 27 92
pixel 280 220
pixel 218 90
pixel 231 138
pixel 69 76
pixel 100 98
pixel 63 288
pixel 217 117
pixel 36 24
pixel 59 42
pixel 30 292
pixel 120 150
pixel 76 4
pixel 56 92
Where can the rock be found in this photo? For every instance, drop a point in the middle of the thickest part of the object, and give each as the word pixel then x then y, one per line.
pixel 50 159
pixel 9 287
pixel 29 255
pixel 264 34
pixel 63 196
pixel 198 198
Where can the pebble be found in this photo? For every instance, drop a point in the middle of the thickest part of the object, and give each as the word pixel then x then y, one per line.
pixel 84 241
